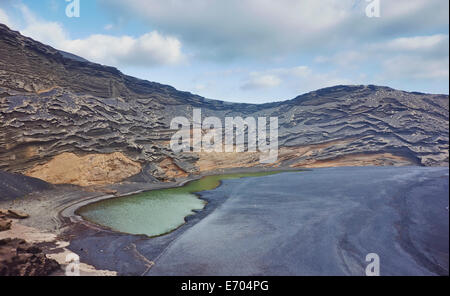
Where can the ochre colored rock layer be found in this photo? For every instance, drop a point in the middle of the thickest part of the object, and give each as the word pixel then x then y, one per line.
pixel 87 170
pixel 171 169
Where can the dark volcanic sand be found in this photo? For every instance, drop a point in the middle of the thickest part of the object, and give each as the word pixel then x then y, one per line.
pixel 14 186
pixel 321 222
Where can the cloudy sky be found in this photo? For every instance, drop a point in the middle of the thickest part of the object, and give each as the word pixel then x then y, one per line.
pixel 251 50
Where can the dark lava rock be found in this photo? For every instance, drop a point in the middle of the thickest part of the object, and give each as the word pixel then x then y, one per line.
pixel 51 102
pixel 19 258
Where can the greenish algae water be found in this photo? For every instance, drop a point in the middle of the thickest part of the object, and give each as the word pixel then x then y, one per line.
pixel 155 212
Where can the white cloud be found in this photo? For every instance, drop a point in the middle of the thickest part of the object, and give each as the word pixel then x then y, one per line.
pixel 437 45
pixel 108 27
pixel 259 81
pixel 149 49
pixel 414 67
pixel 228 29
pixel 405 58
pixel 418 44
pixel 300 71
pixel 54 5
pixel 236 26
pixel 300 79
pixel 200 87
pixel 4 19
pixel 349 58
pixel 46 32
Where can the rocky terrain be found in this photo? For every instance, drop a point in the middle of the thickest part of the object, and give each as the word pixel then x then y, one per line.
pixel 7 215
pixel 19 258
pixel 66 120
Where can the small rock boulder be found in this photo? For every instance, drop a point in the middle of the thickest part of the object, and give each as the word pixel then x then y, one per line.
pixel 5 224
pixel 14 214
pixel 19 258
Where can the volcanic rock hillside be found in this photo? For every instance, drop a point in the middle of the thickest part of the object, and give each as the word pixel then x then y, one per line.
pixel 66 120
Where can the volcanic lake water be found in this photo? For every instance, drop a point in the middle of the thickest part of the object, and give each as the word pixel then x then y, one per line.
pixel 155 212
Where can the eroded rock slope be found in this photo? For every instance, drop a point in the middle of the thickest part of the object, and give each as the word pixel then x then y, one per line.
pixel 52 103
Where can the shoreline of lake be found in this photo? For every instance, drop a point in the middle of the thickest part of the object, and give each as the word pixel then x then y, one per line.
pixel 149 211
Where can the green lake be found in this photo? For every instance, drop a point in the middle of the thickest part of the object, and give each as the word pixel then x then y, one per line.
pixel 158 211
